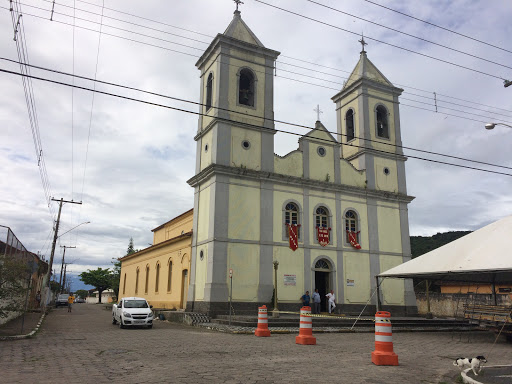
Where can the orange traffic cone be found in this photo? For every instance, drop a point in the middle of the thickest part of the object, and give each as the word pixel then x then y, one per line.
pixel 383 354
pixel 262 330
pixel 306 328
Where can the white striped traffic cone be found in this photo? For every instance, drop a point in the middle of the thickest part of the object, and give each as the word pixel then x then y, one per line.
pixel 306 328
pixel 262 329
pixel 383 354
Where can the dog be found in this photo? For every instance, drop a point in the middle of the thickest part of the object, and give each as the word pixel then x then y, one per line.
pixel 476 364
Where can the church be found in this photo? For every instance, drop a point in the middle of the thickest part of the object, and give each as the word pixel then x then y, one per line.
pixel 330 215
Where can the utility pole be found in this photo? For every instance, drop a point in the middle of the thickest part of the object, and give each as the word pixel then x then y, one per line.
pixel 62 266
pixel 65 268
pixel 55 235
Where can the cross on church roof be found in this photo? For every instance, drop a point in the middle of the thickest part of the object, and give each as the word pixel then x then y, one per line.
pixel 363 43
pixel 238 2
pixel 318 112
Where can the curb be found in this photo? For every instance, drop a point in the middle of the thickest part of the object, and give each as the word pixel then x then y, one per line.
pixel 28 335
pixel 469 380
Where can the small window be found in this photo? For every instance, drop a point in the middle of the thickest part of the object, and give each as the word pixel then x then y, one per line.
pixel 209 87
pixel 351 224
pixel 322 264
pixel 137 281
pixel 246 144
pixel 322 217
pixel 206 148
pixel 169 277
pixel 321 151
pixel 201 255
pixel 291 216
pixel 124 284
pixel 157 277
pixel 386 171
pixel 349 121
pixel 382 122
pixel 147 279
pixel 246 88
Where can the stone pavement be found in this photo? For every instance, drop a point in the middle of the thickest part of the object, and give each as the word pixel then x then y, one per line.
pixel 84 347
pixel 20 326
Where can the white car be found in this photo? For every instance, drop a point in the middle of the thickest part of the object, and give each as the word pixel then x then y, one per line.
pixel 132 311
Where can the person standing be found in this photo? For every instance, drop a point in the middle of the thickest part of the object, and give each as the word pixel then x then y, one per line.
pixel 332 301
pixel 38 299
pixel 71 299
pixel 305 299
pixel 316 302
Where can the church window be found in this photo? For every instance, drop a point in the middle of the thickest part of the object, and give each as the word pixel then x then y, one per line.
pixel 321 151
pixel 246 88
pixel 382 122
pixel 157 277
pixel 209 88
pixel 147 279
pixel 124 284
pixel 291 216
pixel 322 217
pixel 169 277
pixel 201 255
pixel 322 264
pixel 349 121
pixel 351 224
pixel 206 148
pixel 386 171
pixel 137 281
pixel 246 144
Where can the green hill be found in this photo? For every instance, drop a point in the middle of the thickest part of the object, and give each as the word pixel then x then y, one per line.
pixel 424 244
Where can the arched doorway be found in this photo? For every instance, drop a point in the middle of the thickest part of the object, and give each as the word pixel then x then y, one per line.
pixel 184 288
pixel 323 269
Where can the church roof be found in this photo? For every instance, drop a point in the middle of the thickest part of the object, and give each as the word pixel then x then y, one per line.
pixel 320 133
pixel 237 29
pixel 366 69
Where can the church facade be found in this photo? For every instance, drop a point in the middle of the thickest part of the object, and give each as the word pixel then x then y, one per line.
pixel 332 214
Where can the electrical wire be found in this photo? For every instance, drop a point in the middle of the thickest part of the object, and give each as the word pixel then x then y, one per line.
pixel 437 26
pixel 252 125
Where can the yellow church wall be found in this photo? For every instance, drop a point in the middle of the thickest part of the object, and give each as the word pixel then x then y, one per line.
pixel 245 262
pixel 389 229
pixel 290 165
pixel 201 269
pixel 279 200
pixel 321 168
pixel 244 211
pixel 329 203
pixel 392 289
pixel 245 158
pixel 361 210
pixel 206 155
pixel 203 216
pixel 351 176
pixel 356 267
pixel 380 94
pixel 290 263
pixel 173 228
pixel 386 182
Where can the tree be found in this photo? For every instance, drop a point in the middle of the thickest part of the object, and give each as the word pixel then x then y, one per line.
pixel 82 293
pixel 116 276
pixel 99 278
pixel 13 287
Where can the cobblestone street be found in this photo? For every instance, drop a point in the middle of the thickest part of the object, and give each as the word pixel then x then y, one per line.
pixel 84 347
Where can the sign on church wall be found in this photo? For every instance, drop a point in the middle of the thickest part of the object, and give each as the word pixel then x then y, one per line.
pixel 290 280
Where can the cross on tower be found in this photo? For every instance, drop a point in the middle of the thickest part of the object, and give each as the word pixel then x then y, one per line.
pixel 318 112
pixel 363 43
pixel 238 2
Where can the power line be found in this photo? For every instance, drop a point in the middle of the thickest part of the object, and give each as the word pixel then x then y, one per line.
pixel 437 26
pixel 381 41
pixel 195 48
pixel 256 126
pixel 408 34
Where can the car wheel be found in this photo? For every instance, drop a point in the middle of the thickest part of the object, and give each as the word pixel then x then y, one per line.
pixel 121 325
pixel 114 321
pixel 150 326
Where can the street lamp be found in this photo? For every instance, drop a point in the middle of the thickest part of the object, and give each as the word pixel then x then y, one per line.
pixel 492 125
pixel 275 311
pixel 85 222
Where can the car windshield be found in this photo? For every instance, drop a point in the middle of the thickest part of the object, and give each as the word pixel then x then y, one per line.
pixel 136 304
pixel 63 296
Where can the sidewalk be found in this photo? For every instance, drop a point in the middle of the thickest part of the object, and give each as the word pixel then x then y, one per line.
pixel 14 327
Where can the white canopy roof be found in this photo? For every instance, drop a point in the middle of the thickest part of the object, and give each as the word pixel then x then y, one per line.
pixel 481 256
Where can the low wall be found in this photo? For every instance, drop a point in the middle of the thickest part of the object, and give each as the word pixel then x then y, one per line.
pixel 452 304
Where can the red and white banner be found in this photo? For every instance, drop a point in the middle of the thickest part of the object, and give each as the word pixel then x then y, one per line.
pixel 352 237
pixel 293 235
pixel 322 234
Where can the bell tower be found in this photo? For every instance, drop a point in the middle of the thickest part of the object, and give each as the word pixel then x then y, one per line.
pixel 235 135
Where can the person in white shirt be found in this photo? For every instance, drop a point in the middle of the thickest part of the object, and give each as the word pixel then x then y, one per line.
pixel 332 301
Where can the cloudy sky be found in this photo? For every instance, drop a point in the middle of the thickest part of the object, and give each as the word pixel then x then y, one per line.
pixel 128 162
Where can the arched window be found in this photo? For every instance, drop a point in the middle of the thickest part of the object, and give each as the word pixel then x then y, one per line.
pixel 169 277
pixel 351 224
pixel 137 281
pixel 349 121
pixel 246 88
pixel 291 216
pixel 124 284
pixel 157 277
pixel 209 89
pixel 322 217
pixel 382 122
pixel 147 279
pixel 322 264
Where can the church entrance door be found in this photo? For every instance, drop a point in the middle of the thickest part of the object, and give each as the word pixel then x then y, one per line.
pixel 323 272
